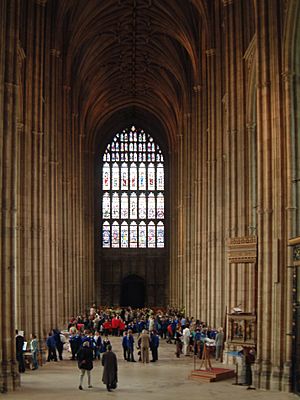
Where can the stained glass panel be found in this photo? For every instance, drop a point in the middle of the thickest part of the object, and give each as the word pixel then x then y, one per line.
pixel 160 206
pixel 133 177
pixel 106 206
pixel 124 234
pixel 106 177
pixel 115 206
pixel 133 206
pixel 142 206
pixel 151 235
pixel 124 206
pixel 160 235
pixel 142 177
pixel 106 235
pixel 124 177
pixel 115 177
pixel 151 206
pixel 142 235
pixel 133 234
pixel 115 235
pixel 151 177
pixel 160 177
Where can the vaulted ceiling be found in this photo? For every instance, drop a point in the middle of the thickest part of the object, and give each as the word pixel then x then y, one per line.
pixel 136 58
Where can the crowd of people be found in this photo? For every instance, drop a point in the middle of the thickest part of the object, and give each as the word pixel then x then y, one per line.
pixel 140 331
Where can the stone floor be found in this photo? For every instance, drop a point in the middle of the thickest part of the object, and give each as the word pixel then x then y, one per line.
pixel 166 379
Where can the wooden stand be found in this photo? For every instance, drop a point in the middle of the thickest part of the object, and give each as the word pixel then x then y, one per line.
pixel 206 359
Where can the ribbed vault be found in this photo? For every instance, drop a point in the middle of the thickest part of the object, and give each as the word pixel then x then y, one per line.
pixel 130 54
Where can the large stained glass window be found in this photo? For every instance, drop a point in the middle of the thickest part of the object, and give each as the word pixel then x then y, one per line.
pixel 133 202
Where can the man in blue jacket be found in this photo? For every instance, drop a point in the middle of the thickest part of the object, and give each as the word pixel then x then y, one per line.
pixel 51 344
pixel 130 346
pixel 154 343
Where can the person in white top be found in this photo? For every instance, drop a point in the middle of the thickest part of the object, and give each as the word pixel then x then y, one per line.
pixel 186 340
pixel 151 324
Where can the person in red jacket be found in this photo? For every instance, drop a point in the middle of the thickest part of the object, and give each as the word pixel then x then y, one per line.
pixel 107 327
pixel 122 327
pixel 170 333
pixel 115 326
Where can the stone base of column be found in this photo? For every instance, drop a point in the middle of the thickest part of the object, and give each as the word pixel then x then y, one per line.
pixel 276 378
pixel 287 384
pixel 9 377
pixel 271 377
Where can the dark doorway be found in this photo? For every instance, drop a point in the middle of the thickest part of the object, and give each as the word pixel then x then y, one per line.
pixel 133 291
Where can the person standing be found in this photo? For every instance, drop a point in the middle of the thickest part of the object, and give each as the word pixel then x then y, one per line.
pixel 130 346
pixel 154 343
pixel 219 344
pixel 144 345
pixel 110 371
pixel 186 340
pixel 249 355
pixel 124 345
pixel 178 341
pixel 85 363
pixel 98 344
pixel 50 342
pixel 58 343
pixel 34 351
pixel 75 343
pixel 19 350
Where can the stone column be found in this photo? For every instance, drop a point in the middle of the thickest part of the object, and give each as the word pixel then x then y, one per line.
pixel 196 203
pixel 271 196
pixel 180 234
pixel 38 161
pixel 289 81
pixel 239 201
pixel 67 275
pixel 187 175
pixel 173 267
pixel 9 378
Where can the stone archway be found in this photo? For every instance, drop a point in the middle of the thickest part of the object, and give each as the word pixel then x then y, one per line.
pixel 133 291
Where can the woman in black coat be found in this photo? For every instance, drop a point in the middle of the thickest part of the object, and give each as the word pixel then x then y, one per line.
pixel 85 363
pixel 110 371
